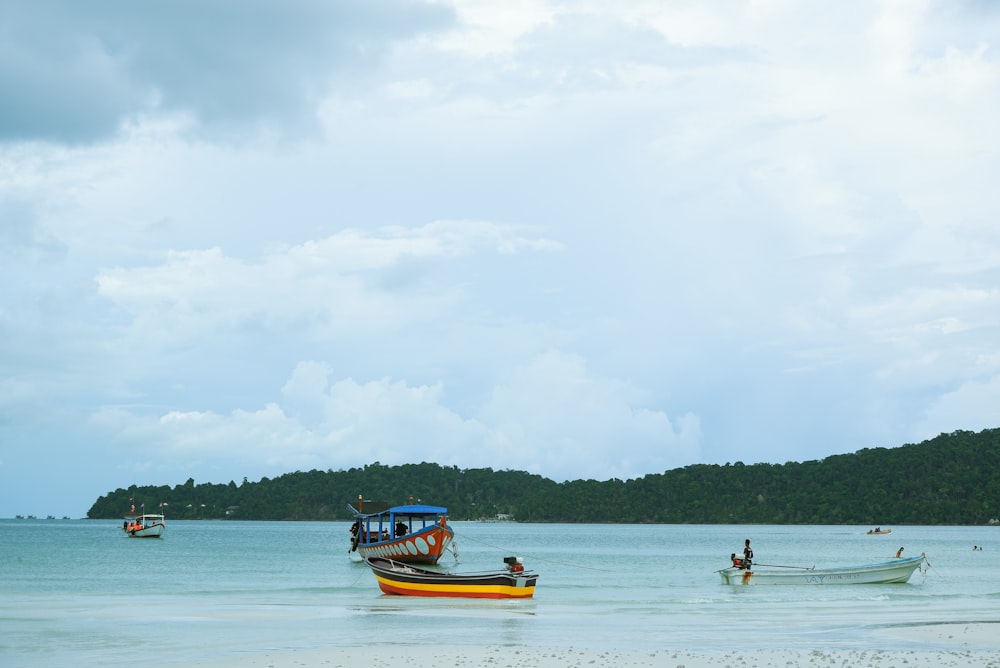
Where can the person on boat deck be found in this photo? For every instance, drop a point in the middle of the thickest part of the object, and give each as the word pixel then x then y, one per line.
pixel 355 535
pixel 400 528
pixel 747 554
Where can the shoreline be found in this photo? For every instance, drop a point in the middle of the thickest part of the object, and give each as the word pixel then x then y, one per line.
pixel 957 645
pixel 519 657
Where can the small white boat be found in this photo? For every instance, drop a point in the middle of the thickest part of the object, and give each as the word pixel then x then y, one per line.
pixel 886 572
pixel 144 526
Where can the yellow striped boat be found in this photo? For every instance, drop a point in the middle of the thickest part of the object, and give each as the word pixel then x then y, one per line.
pixel 405 579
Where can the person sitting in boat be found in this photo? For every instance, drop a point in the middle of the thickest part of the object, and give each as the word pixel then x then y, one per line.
pixel 355 535
pixel 400 528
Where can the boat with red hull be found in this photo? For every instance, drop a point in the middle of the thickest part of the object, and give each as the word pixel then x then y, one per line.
pixel 412 533
pixel 404 579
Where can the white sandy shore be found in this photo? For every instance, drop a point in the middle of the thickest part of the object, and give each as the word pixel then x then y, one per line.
pixel 948 645
pixel 959 635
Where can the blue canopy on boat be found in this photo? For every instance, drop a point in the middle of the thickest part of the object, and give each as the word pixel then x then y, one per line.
pixel 417 510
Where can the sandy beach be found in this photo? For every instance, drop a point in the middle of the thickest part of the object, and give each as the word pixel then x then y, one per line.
pixel 947 645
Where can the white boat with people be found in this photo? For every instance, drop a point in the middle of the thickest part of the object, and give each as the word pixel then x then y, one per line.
pixel 893 571
pixel 144 526
pixel 140 524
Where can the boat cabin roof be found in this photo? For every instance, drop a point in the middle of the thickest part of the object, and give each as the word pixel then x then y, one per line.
pixel 415 510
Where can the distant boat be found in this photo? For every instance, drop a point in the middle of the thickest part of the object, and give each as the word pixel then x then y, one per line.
pixel 414 533
pixel 886 572
pixel 142 524
pixel 402 579
pixel 878 531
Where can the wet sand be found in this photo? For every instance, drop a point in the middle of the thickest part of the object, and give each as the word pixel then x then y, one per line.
pixel 946 645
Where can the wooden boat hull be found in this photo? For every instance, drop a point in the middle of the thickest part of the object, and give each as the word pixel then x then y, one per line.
pixel 413 533
pixel 404 579
pixel 894 571
pixel 421 547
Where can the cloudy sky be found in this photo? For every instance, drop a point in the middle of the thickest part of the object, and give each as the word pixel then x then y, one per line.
pixel 577 238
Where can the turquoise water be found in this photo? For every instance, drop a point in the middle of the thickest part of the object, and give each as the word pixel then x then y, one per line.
pixel 77 592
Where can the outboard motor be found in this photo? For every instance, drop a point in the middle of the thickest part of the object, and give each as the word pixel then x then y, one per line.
pixel 514 564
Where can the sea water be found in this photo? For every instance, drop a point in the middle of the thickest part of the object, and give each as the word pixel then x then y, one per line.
pixel 79 592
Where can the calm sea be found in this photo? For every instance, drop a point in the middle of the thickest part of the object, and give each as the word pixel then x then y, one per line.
pixel 78 592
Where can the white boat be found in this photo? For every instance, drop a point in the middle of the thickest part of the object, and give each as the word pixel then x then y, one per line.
pixel 885 572
pixel 144 526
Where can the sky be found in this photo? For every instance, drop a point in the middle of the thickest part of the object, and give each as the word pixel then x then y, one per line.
pixel 581 239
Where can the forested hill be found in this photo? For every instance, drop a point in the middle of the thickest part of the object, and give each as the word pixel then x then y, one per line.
pixel 951 479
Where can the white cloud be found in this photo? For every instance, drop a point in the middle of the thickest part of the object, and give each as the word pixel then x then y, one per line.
pixel 553 418
pixel 974 404
pixel 493 234
pixel 549 417
pixel 353 280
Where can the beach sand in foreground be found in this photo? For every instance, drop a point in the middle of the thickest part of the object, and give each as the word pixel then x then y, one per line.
pixel 968 646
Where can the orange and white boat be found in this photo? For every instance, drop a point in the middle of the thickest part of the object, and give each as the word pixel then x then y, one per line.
pixel 144 525
pixel 414 533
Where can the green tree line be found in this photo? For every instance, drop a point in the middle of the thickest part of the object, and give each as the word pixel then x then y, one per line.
pixel 952 479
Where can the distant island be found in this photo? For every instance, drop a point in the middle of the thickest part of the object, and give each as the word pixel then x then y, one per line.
pixel 953 479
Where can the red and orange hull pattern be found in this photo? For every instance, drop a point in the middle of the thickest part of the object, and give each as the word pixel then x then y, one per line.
pixel 405 580
pixel 421 547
